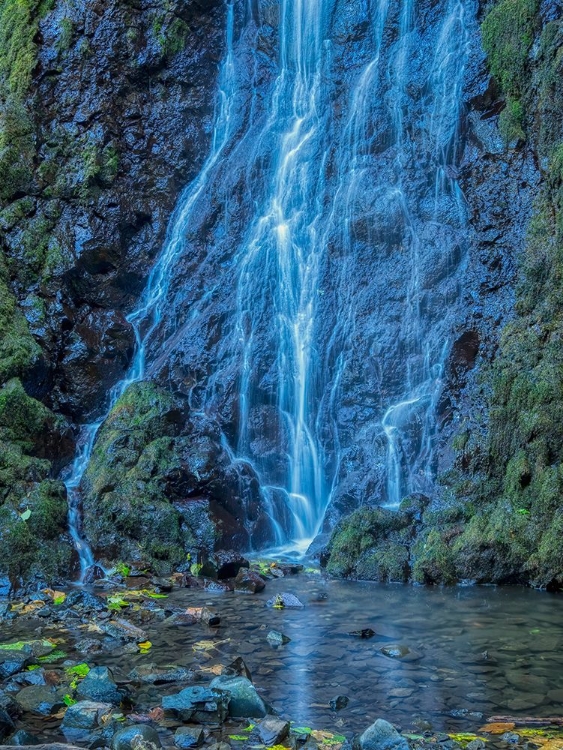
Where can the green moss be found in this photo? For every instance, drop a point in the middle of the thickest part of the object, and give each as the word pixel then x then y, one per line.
pixel 356 544
pixel 23 420
pixel 433 559
pixel 508 34
pixel 66 35
pixel 511 122
pixel 19 20
pixel 388 562
pixel 128 513
pixel 18 350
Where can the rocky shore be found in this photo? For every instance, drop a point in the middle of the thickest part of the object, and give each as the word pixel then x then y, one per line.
pixel 63 680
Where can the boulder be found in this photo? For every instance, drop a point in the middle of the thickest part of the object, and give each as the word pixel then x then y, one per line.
pixel 227 563
pixel 244 703
pixel 382 735
pixel 99 685
pixel 249 582
pixel 124 630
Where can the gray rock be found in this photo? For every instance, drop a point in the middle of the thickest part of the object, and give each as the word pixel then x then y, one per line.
pixel 39 699
pixel 245 703
pixel 273 730
pixel 285 601
pixel 126 738
pixel 275 638
pixel 99 685
pixel 85 715
pixel 188 737
pixel 382 736
pixel 198 704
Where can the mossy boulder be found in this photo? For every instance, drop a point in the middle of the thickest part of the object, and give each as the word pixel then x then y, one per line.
pixel 33 506
pixel 372 544
pixel 159 485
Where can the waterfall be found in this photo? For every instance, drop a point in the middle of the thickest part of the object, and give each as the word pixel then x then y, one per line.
pixel 312 269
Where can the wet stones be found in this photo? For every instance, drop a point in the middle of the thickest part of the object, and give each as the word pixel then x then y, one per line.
pixel 244 703
pixel 382 735
pixel 273 730
pixel 99 685
pixel 186 738
pixel 198 704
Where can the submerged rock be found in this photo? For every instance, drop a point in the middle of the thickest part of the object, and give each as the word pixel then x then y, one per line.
pixel 382 735
pixel 339 702
pixel 244 703
pixel 198 704
pixel 152 674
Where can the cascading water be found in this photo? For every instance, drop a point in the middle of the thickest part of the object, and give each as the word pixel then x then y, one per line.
pixel 301 298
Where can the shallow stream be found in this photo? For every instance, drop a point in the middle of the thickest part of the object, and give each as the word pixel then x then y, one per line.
pixel 466 651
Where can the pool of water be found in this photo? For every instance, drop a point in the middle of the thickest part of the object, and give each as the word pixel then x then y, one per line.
pixel 467 651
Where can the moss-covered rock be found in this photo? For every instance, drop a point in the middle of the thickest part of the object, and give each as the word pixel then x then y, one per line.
pixel 370 544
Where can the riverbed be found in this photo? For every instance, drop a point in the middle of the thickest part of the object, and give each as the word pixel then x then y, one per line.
pixel 445 658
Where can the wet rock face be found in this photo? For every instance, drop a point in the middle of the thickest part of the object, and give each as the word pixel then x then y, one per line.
pixel 104 129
